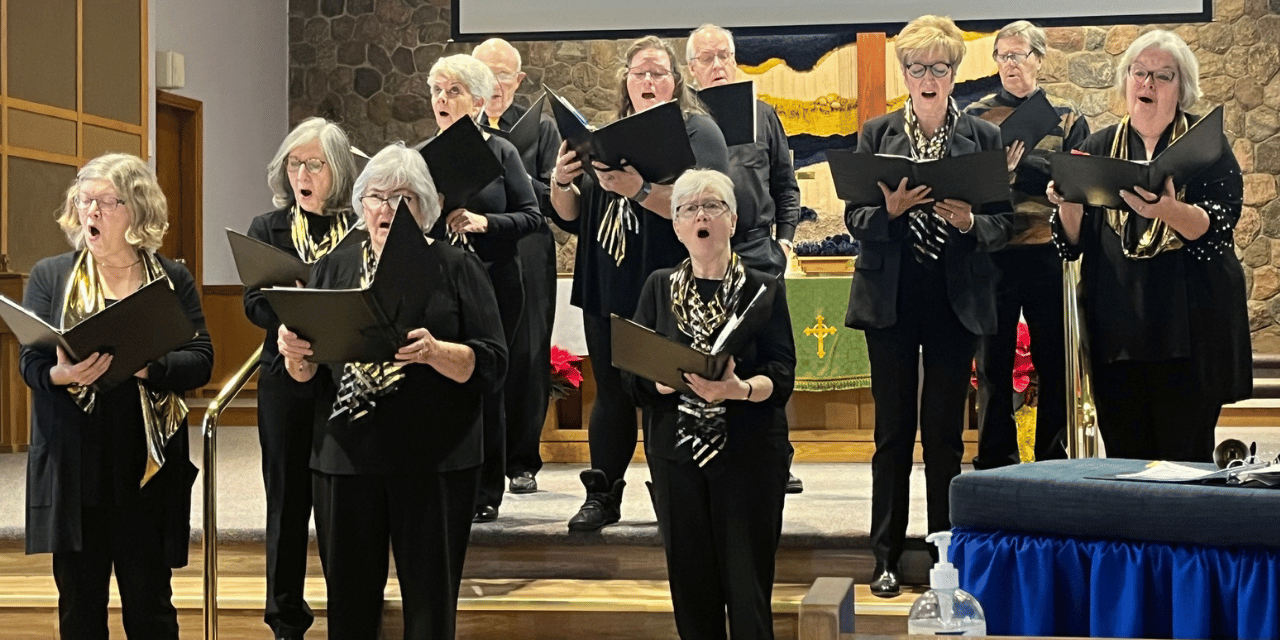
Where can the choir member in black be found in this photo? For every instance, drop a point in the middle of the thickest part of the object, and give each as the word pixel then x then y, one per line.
pixel 764 180
pixel 1164 295
pixel 1028 271
pixel 397 459
pixel 624 233
pixel 108 473
pixel 923 283
pixel 718 459
pixel 491 224
pixel 526 404
pixel 310 179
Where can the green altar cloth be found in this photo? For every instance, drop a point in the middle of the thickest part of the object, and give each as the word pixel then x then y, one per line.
pixel 829 355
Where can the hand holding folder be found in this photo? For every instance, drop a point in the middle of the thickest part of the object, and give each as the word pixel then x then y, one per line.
pixel 137 329
pixel 975 178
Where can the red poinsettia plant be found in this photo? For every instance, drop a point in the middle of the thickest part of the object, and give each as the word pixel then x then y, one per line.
pixel 1023 368
pixel 566 374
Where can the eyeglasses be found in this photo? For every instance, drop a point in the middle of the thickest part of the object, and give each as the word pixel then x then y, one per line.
pixel 313 165
pixel 938 69
pixel 1015 58
pixel 709 58
pixel 106 204
pixel 505 78
pixel 373 200
pixel 1163 76
pixel 658 76
pixel 713 209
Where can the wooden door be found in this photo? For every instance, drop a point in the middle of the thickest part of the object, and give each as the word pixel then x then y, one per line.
pixel 179 154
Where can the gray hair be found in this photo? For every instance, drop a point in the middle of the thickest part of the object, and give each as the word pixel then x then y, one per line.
pixel 337 154
pixel 688 45
pixel 500 43
pixel 1022 29
pixel 1167 41
pixel 696 181
pixel 466 70
pixel 398 166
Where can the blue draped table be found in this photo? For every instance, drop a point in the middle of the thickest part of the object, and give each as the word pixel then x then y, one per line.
pixel 1050 549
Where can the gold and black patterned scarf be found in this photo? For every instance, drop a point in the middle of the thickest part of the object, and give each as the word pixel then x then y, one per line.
pixel 928 229
pixel 619 220
pixel 309 250
pixel 1142 238
pixel 363 383
pixel 163 412
pixel 700 423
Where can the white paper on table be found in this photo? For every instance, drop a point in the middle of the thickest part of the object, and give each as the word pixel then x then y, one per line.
pixel 1161 471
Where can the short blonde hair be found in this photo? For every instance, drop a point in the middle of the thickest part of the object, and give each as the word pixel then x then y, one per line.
pixel 135 184
pixel 1169 42
pixel 928 33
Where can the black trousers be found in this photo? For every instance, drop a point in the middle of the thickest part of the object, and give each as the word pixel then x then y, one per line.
pixel 1154 411
pixel 611 434
pixel 285 422
pixel 530 358
pixel 508 286
pixel 129 540
pixel 425 517
pixel 927 327
pixel 720 528
pixel 1031 285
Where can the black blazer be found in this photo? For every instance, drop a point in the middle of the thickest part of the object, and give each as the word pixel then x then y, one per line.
pixel 54 461
pixel 873 296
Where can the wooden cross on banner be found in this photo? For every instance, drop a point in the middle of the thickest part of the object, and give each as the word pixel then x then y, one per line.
pixel 871 80
pixel 821 331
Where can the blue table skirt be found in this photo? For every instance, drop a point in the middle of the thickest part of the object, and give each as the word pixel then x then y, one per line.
pixel 1043 585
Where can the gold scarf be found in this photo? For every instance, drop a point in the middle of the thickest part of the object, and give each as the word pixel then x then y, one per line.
pixel 1144 238
pixel 162 411
pixel 310 250
pixel 363 382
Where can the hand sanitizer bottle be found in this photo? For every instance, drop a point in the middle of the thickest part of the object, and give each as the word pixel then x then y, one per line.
pixel 945 609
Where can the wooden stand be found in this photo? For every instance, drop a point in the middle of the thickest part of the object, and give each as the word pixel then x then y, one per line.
pixel 15 399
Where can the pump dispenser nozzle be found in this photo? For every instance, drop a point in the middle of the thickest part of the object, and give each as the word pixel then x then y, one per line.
pixel 943 575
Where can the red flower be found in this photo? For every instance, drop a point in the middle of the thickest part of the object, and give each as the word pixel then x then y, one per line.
pixel 565 374
pixel 1023 367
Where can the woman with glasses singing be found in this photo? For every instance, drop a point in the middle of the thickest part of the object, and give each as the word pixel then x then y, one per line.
pixel 310 178
pixel 397 454
pixel 622 222
pixel 718 457
pixel 1164 298
pixel 923 286
pixel 491 224
pixel 108 474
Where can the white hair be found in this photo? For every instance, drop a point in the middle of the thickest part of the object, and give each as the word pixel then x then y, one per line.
pixel 688 45
pixel 466 70
pixel 1169 42
pixel 696 181
pixel 398 166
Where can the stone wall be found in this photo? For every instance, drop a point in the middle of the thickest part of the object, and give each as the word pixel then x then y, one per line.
pixel 364 62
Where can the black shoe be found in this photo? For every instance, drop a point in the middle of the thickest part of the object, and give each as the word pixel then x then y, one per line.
pixel 603 505
pixel 486 514
pixel 524 483
pixel 794 484
pixel 886 583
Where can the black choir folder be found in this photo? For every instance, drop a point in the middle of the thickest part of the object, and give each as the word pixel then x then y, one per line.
pixel 975 178
pixel 1030 122
pixel 653 141
pixel 137 329
pixel 461 163
pixel 262 265
pixel 733 106
pixel 1097 180
pixel 366 324
pixel 524 133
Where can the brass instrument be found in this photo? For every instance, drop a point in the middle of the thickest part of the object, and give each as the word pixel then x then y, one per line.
pixel 1082 415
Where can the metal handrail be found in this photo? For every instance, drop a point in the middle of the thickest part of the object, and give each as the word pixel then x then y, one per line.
pixel 210 425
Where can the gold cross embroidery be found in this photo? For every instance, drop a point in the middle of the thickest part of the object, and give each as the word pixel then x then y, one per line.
pixel 821 330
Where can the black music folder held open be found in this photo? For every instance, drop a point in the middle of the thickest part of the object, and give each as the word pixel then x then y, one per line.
pixel 1097 180
pixel 137 329
pixel 460 162
pixel 975 178
pixel 364 324
pixel 1030 122
pixel 262 265
pixel 653 141
pixel 733 106
pixel 524 133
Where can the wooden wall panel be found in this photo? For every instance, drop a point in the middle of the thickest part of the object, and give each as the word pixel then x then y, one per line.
pixel 41 56
pixel 234 337
pixel 42 132
pixel 111 71
pixel 35 190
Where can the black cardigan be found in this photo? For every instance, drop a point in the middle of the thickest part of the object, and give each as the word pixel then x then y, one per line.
pixel 431 423
pixel 54 462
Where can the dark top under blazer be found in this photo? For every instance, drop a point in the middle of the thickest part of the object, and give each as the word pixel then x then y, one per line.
pixel 1188 303
pixel 764 183
pixel 754 427
pixel 600 285
pixel 431 423
pixel 873 296
pixel 54 460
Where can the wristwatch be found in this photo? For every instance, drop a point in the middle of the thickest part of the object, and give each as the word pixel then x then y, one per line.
pixel 563 186
pixel 641 195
